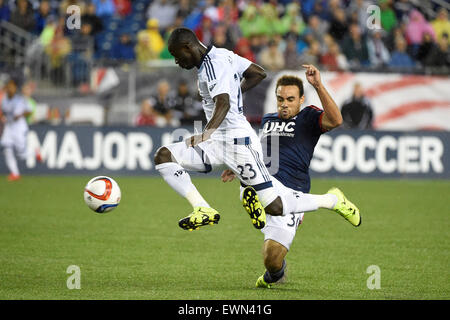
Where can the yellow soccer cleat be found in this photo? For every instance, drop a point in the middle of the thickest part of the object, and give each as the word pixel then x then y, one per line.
pixel 201 216
pixel 345 208
pixel 260 283
pixel 254 208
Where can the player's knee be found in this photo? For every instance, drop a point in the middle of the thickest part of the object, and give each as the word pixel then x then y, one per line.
pixel 162 155
pixel 275 208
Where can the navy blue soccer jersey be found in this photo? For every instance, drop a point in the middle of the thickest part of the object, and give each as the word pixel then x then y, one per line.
pixel 297 138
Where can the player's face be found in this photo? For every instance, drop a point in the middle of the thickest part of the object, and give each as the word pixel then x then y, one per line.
pixel 288 101
pixel 183 56
pixel 11 88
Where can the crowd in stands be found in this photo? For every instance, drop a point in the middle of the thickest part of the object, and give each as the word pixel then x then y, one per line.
pixel 336 35
pixel 278 34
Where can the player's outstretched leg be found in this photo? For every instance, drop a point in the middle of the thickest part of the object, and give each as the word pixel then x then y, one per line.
pixel 254 207
pixel 201 216
pixel 345 208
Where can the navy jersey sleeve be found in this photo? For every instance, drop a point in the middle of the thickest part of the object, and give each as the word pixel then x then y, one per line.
pixel 313 116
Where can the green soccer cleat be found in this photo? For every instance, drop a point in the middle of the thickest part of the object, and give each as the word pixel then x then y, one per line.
pixel 254 208
pixel 260 283
pixel 346 208
pixel 201 216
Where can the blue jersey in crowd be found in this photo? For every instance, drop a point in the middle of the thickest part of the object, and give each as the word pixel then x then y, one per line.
pixel 297 138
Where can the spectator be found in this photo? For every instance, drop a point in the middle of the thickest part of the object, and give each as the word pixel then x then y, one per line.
pixel 164 11
pixel 124 48
pixel 338 25
pixel 425 48
pixel 42 15
pixel 81 55
pixel 67 3
pixel 211 11
pixel 439 56
pixel 317 28
pixel 123 7
pixel 292 17
pixel 104 8
pixel 244 49
pixel 354 47
pixel 378 53
pixel 252 23
pixel 147 115
pixel 334 60
pixel 228 11
pixel 184 9
pixel 291 56
pixel 27 92
pixel 150 43
pixel 400 58
pixel 57 50
pixel 271 57
pixel 204 31
pixel 415 30
pixel 402 9
pixel 269 12
pixel 359 14
pixel 163 103
pixel 357 111
pixel 221 39
pixel 388 17
pixel 312 54
pixel 441 25
pixel 5 12
pixel 23 16
pixel 187 109
pixel 92 18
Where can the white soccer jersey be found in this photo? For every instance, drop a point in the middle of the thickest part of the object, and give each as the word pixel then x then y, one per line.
pixel 13 107
pixel 221 72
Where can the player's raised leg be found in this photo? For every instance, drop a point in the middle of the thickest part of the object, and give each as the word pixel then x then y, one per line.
pixel 167 163
pixel 346 208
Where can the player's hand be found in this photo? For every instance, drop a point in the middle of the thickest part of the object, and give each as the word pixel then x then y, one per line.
pixel 194 140
pixel 312 75
pixel 227 175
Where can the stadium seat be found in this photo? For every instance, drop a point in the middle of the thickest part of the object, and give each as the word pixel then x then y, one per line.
pixel 85 113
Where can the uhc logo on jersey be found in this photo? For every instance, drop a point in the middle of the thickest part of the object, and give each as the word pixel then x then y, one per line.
pixel 279 128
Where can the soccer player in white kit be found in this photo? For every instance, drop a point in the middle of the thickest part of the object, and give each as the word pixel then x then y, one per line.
pixel 14 109
pixel 228 140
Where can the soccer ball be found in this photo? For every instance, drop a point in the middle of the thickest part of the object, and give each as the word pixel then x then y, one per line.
pixel 102 194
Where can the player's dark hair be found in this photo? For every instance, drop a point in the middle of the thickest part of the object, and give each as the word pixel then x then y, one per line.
pixel 182 36
pixel 290 81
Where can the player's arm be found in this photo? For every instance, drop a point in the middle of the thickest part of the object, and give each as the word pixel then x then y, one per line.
pixel 222 106
pixel 252 77
pixel 332 117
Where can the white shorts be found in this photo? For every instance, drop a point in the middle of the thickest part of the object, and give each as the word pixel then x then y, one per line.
pixel 281 229
pixel 15 138
pixel 242 155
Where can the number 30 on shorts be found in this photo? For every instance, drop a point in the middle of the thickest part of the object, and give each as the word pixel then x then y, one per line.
pixel 246 171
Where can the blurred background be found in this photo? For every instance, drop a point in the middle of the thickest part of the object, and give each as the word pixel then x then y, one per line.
pixel 106 93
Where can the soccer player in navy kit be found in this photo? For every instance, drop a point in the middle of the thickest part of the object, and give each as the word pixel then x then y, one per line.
pixel 295 132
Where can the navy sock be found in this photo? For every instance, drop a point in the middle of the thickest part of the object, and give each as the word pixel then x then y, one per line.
pixel 274 277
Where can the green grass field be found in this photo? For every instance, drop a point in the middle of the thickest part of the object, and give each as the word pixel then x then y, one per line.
pixel 139 252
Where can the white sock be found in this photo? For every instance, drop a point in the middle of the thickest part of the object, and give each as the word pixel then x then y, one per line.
pixel 297 202
pixel 11 161
pixel 180 181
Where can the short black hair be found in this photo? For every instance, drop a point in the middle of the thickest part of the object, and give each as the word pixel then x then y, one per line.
pixel 182 36
pixel 288 80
